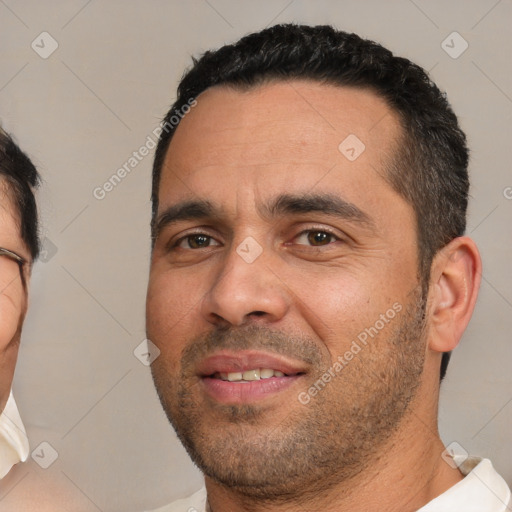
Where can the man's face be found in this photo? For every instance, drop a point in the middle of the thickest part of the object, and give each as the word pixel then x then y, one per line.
pixel 280 253
pixel 12 293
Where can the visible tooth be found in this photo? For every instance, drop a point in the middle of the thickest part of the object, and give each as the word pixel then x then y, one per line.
pixel 277 373
pixel 234 376
pixel 223 376
pixel 251 374
pixel 266 373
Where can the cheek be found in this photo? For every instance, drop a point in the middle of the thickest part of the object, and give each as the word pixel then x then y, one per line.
pixel 11 307
pixel 12 304
pixel 9 319
pixel 338 305
pixel 334 307
pixel 7 363
pixel 171 305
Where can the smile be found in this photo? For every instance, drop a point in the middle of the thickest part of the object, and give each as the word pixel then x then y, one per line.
pixel 243 377
pixel 249 375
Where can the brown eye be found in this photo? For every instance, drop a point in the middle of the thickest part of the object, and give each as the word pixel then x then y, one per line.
pixel 315 238
pixel 318 238
pixel 196 241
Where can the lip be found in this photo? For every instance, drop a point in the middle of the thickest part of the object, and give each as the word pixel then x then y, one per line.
pixel 244 392
pixel 228 362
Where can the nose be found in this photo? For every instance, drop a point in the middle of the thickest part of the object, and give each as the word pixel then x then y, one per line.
pixel 245 291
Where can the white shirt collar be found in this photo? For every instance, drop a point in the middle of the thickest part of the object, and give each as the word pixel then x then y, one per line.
pixel 482 490
pixel 13 437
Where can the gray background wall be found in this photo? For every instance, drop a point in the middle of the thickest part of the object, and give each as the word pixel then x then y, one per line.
pixel 83 110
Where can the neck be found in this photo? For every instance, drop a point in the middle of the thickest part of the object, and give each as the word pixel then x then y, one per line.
pixel 405 474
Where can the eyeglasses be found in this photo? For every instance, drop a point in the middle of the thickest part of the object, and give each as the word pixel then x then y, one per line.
pixel 15 257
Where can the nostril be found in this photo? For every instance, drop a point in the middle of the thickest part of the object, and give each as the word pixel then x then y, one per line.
pixel 257 313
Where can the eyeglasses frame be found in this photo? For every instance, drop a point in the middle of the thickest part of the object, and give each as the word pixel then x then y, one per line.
pixel 17 258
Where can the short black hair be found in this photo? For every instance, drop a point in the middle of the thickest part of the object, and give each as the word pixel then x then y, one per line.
pixel 21 178
pixel 429 164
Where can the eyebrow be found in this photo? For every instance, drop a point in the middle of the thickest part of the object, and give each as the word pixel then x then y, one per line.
pixel 283 204
pixel 329 204
pixel 187 210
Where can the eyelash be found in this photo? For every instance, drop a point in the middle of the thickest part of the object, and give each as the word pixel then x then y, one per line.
pixel 302 233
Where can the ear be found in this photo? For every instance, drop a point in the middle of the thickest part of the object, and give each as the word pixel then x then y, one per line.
pixel 454 282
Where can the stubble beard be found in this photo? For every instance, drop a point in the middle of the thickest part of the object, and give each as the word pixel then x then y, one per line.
pixel 316 446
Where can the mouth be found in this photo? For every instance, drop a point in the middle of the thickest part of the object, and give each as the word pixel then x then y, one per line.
pixel 247 376
pixel 250 375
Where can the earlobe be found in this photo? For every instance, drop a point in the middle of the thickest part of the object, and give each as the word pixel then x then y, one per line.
pixel 455 280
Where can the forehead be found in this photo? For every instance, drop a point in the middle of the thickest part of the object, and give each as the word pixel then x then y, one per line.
pixel 9 218
pixel 295 134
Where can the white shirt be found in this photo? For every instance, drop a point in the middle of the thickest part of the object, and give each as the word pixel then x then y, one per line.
pixel 13 438
pixel 482 490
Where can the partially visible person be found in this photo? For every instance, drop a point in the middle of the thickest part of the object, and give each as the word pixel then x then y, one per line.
pixel 19 247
